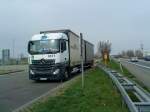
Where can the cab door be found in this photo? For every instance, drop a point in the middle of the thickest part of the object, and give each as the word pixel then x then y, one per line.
pixel 64 57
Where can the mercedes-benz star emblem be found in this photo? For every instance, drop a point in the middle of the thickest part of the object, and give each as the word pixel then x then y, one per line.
pixel 42 61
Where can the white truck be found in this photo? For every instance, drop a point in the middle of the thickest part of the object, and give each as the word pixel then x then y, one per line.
pixel 53 55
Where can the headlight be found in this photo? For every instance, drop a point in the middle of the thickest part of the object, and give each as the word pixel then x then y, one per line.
pixel 31 72
pixel 56 71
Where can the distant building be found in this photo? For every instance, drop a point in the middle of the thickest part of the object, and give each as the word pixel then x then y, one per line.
pixel 146 53
pixel 5 56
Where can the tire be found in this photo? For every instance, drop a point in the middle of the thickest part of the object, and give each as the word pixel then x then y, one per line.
pixel 66 75
pixel 37 80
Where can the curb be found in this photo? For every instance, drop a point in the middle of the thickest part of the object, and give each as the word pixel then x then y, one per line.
pixel 1 74
pixel 50 93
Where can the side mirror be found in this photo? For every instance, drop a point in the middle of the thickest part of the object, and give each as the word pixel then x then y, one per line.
pixel 29 45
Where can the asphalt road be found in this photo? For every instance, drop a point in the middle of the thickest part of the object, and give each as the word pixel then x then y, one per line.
pixel 144 63
pixel 16 89
pixel 141 70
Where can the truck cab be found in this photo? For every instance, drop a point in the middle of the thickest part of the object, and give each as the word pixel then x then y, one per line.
pixel 48 56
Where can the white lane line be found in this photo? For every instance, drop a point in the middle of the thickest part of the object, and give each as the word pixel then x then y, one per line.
pixel 145 61
pixel 138 65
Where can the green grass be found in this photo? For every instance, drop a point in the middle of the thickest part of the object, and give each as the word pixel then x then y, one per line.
pixel 4 72
pixel 116 66
pixel 99 95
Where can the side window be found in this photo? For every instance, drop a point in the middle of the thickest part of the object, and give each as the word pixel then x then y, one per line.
pixel 64 45
pixel 61 45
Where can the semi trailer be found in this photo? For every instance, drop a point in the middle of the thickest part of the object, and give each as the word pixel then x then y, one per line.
pixel 54 54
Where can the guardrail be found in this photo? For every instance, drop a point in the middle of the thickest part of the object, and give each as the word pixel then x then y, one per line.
pixel 125 86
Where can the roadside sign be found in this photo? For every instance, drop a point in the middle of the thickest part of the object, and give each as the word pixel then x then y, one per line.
pixel 82 67
pixel 105 56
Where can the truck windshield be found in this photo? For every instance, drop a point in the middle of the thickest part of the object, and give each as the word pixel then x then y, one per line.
pixel 43 46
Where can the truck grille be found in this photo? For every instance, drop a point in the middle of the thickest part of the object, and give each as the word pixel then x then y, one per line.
pixel 42 65
pixel 43 62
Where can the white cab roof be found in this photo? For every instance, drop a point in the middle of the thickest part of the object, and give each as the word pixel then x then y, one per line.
pixel 50 36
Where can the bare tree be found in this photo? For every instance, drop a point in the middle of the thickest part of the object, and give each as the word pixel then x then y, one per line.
pixel 124 54
pixel 139 53
pixel 130 53
pixel 104 47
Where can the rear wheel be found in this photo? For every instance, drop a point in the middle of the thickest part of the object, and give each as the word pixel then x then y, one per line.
pixel 79 70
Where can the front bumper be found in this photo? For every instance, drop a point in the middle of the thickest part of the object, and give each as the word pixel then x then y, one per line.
pixel 37 72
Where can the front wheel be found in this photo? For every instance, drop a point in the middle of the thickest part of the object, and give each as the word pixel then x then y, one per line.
pixel 66 75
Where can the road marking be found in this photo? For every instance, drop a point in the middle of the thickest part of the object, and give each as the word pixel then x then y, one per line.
pixel 138 65
pixel 145 61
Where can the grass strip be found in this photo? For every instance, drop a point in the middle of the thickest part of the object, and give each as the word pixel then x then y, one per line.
pixel 98 95
pixel 116 66
pixel 3 72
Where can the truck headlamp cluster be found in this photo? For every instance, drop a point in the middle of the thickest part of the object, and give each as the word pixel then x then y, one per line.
pixel 31 72
pixel 56 71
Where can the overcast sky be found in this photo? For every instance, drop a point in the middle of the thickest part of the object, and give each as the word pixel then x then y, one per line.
pixel 126 23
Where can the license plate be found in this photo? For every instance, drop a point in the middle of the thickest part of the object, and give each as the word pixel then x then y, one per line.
pixel 43 78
